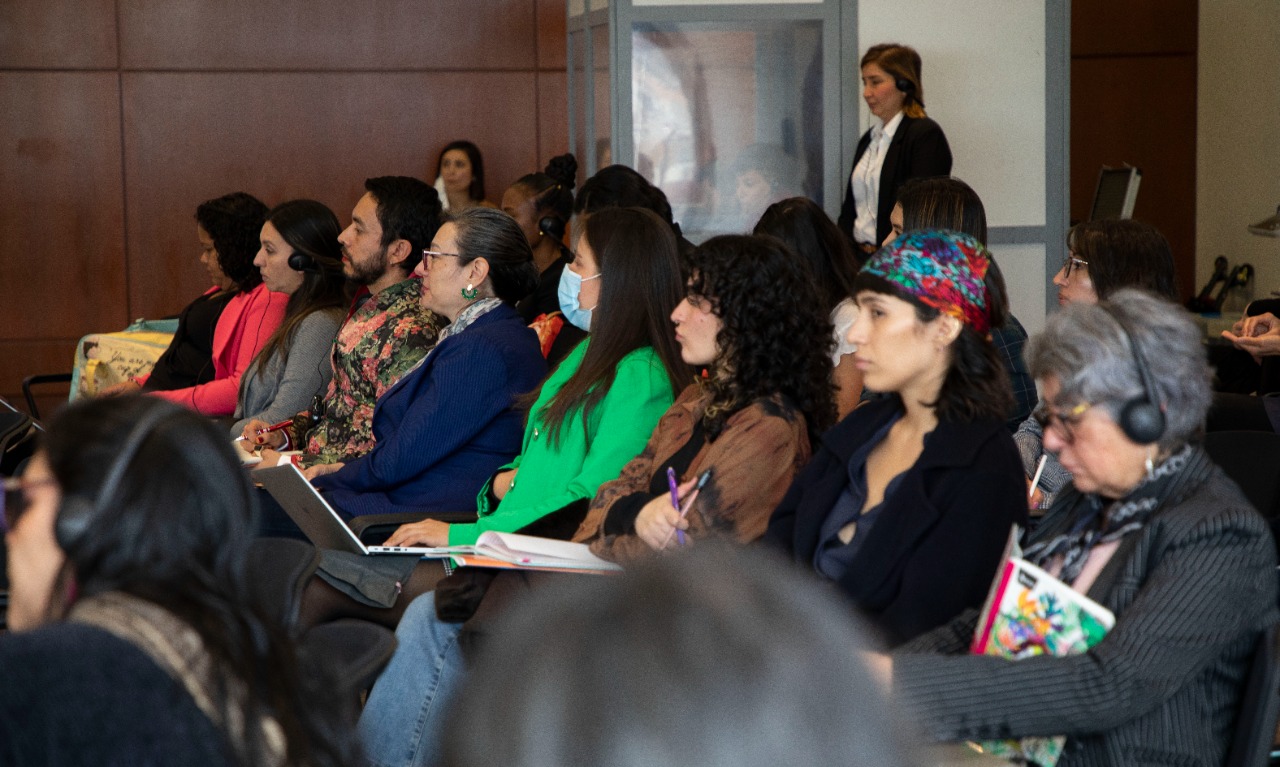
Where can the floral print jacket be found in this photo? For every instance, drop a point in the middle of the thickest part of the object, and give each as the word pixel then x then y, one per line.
pixel 383 339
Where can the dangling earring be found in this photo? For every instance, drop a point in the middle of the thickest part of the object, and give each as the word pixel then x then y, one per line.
pixel 469 292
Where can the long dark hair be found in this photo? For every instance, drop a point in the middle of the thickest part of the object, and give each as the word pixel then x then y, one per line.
pixel 810 233
pixel 176 532
pixel 311 229
pixel 233 222
pixel 774 340
pixel 641 285
pixel 476 190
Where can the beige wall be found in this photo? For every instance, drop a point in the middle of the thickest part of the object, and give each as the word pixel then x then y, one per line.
pixel 1238 153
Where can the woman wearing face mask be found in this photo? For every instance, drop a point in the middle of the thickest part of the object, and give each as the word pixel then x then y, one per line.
pixel 301 258
pixel 902 143
pixel 908 503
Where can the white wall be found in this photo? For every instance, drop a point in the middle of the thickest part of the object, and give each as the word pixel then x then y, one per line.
pixel 1238 136
pixel 984 82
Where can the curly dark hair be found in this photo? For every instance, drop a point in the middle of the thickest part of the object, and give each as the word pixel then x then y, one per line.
pixel 234 222
pixel 775 339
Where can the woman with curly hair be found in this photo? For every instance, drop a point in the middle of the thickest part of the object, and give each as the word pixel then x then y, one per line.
pixel 909 501
pixel 751 319
pixel 220 332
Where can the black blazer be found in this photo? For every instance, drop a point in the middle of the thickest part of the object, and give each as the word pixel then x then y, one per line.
pixel 935 547
pixel 919 149
pixel 1190 591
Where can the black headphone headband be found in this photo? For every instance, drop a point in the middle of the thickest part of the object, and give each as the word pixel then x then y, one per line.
pixel 1141 418
pixel 77 515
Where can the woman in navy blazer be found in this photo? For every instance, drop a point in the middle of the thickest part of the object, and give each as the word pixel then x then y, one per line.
pixel 449 423
pixel 908 502
pixel 891 86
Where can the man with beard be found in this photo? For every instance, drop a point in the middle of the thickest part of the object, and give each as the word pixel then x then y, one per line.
pixel 386 332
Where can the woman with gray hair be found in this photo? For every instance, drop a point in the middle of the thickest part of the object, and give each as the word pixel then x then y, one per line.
pixel 1151 529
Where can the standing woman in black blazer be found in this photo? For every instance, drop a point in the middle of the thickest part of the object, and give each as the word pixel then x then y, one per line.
pixel 902 143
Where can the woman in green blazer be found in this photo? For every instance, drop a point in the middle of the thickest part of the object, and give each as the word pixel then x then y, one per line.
pixel 597 408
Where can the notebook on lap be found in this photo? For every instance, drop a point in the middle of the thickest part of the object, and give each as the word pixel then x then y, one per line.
pixel 323 526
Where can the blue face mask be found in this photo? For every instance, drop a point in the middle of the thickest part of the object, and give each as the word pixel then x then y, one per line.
pixel 569 293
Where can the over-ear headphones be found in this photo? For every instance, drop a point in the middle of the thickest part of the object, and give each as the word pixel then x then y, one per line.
pixel 303 262
pixel 1141 418
pixel 552 226
pixel 77 515
pixel 905 85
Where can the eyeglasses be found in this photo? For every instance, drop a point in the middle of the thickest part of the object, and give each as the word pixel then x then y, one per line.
pixel 13 502
pixel 432 255
pixel 1070 264
pixel 1065 420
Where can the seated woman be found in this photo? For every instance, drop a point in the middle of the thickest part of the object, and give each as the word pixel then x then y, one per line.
pixel 749 421
pixel 1102 258
pixel 460 177
pixel 300 258
pixel 595 411
pixel 1151 529
pixel 908 503
pixel 450 422
pixel 812 235
pixel 135 636
pixel 942 202
pixel 542 204
pixel 221 332
pixel 592 415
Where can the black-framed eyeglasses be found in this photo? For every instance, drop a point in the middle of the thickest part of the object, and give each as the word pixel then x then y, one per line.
pixel 13 502
pixel 1062 421
pixel 432 255
pixel 1071 263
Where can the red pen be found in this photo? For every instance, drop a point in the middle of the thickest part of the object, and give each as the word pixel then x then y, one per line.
pixel 268 430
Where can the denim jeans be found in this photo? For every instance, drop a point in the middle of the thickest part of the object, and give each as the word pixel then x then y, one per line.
pixel 401 723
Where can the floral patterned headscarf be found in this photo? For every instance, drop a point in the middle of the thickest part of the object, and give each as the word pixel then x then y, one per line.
pixel 939 268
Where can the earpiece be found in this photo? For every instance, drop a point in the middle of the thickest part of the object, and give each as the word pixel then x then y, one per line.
pixel 551 226
pixel 78 515
pixel 302 262
pixel 1141 418
pixel 905 85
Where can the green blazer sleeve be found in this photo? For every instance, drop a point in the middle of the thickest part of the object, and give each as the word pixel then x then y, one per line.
pixel 551 478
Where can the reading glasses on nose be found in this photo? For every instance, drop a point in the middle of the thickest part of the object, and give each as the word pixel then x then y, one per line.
pixel 434 254
pixel 1071 263
pixel 1063 421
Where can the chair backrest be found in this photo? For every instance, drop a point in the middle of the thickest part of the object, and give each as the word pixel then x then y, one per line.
pixel 1252 460
pixel 279 569
pixel 1260 707
pixel 352 652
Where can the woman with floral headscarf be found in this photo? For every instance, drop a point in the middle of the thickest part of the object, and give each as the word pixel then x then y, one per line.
pixel 909 501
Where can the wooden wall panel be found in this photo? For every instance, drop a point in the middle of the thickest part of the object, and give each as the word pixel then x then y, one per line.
pixel 1106 27
pixel 553 116
pixel 552 32
pixel 58 34
pixel 1118 117
pixel 183 145
pixel 328 34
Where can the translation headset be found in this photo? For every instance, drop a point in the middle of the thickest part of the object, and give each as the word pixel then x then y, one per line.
pixel 303 262
pixel 1141 418
pixel 551 226
pixel 905 85
pixel 77 515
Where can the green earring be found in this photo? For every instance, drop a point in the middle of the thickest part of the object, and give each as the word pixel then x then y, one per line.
pixel 469 292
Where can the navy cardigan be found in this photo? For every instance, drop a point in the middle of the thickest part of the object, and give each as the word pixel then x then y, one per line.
pixel 935 546
pixel 447 425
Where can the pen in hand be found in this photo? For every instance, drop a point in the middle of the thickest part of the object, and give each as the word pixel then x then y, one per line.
pixel 268 430
pixel 688 504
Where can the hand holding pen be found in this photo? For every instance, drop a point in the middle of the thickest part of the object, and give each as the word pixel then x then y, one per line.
pixel 256 434
pixel 684 511
pixel 657 522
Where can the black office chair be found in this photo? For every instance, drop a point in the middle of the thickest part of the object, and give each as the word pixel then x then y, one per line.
pixel 40 380
pixel 1252 460
pixel 278 572
pixel 352 653
pixel 373 529
pixel 1260 708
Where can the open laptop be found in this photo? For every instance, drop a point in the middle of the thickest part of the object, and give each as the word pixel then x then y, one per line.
pixel 321 524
